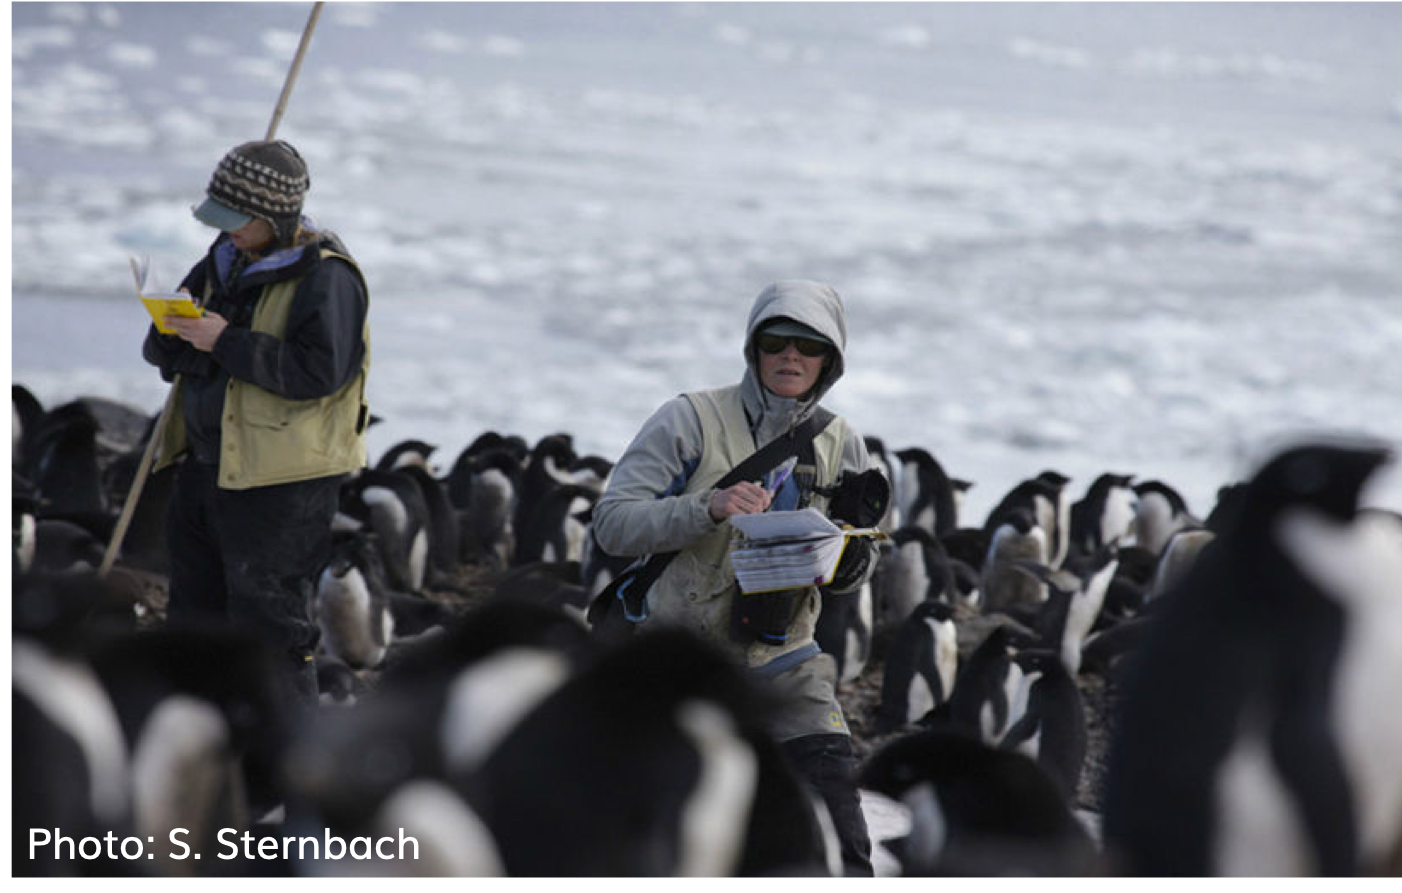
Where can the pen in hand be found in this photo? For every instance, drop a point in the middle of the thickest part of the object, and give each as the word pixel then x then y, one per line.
pixel 780 474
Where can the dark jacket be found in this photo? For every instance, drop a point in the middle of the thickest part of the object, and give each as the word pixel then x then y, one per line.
pixel 321 353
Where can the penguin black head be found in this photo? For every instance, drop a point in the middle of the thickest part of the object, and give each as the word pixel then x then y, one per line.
pixel 1328 477
pixel 1021 520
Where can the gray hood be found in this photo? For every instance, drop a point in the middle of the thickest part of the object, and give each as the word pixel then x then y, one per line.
pixel 817 306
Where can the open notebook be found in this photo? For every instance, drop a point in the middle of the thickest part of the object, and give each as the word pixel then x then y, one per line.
pixel 788 550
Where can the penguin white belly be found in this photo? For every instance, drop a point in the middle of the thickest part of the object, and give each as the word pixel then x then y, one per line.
pixel 69 694
pixel 489 697
pixel 946 654
pixel 180 767
pixel 1360 565
pixel 716 814
pixel 1259 831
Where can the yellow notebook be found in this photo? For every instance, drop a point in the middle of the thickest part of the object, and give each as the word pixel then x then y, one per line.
pixel 161 304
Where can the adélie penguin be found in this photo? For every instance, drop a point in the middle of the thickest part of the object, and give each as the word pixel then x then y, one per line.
pixel 920 666
pixel 1259 728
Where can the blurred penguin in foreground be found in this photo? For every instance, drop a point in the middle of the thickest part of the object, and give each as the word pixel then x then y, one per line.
pixel 1260 728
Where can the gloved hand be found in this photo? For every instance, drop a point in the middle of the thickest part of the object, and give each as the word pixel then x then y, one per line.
pixel 860 499
pixel 856 558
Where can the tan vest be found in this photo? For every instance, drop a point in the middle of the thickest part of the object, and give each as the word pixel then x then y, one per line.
pixel 266 439
pixel 697 587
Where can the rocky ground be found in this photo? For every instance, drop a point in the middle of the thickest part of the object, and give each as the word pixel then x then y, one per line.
pixel 861 697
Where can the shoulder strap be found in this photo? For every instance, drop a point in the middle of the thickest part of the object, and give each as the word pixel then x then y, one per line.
pixel 631 591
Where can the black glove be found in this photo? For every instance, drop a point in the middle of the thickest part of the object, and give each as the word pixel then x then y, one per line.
pixel 860 499
pixel 856 558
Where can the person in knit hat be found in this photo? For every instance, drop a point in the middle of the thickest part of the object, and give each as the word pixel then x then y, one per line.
pixel 262 180
pixel 269 411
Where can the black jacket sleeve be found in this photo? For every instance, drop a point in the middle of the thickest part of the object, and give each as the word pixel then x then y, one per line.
pixel 323 348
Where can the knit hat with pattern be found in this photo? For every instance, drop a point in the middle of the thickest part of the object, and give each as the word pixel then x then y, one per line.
pixel 266 179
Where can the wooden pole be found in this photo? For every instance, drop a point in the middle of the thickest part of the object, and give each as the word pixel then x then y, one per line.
pixel 292 72
pixel 144 468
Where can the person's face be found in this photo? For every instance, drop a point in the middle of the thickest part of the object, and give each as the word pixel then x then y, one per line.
pixel 252 235
pixel 789 372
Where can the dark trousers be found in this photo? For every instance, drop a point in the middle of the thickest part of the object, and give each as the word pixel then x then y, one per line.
pixel 828 764
pixel 252 556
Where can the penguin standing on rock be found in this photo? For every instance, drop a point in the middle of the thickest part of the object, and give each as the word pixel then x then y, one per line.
pixel 1105 515
pixel 1073 604
pixel 984 701
pixel 1006 584
pixel 844 629
pixel 352 606
pixel 1260 730
pixel 915 571
pixel 920 666
pixel 1160 512
pixel 1052 727
pixel 928 494
pixel 1043 496
pixel 484 489
pixel 392 505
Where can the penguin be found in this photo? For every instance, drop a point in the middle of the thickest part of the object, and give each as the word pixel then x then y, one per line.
pixel 966 585
pixel 1160 512
pixel 437 712
pixel 405 454
pixel 546 469
pixel 66 546
pixel 876 449
pixel 64 465
pixel 71 762
pixel 1268 673
pixel 1128 591
pixel 27 414
pixel 591 472
pixel 553 530
pixel 983 702
pixel 337 684
pixel 927 492
pixel 1358 565
pixel 1073 604
pixel 844 629
pixel 392 505
pixel 1017 542
pixel 597 568
pixel 1104 515
pixel 352 605
pixel 976 810
pixel 659 765
pixel 1052 727
pixel 444 535
pixel 1045 497
pixel 207 713
pixel 916 570
pixel 1179 553
pixel 483 488
pixel 920 667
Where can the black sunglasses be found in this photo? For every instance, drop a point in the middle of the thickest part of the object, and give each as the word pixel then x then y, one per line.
pixel 770 343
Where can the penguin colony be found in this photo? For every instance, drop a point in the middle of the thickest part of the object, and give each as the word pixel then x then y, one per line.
pixel 1254 655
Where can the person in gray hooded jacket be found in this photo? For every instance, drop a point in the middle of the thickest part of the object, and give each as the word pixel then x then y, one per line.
pixel 661 497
